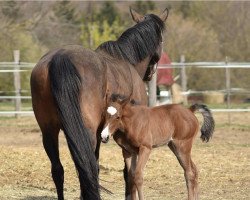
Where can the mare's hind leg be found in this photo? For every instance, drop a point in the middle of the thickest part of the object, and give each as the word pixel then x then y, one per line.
pixel 182 150
pixel 50 143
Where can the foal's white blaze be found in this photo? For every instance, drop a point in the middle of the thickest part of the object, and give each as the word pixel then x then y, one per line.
pixel 105 132
pixel 111 110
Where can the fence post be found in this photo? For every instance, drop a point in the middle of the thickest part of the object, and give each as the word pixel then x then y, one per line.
pixel 17 82
pixel 228 89
pixel 152 90
pixel 183 79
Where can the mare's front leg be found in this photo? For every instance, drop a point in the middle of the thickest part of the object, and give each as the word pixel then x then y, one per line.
pixel 130 162
pixel 182 150
pixel 143 156
pixel 97 149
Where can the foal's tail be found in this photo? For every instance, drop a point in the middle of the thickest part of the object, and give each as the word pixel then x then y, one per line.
pixel 207 128
pixel 65 83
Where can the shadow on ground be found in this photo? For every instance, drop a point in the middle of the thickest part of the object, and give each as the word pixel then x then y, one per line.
pixel 39 198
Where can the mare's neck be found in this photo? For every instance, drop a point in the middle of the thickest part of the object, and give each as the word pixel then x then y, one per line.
pixel 142 66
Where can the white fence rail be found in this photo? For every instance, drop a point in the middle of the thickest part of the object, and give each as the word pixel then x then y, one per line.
pixel 17 68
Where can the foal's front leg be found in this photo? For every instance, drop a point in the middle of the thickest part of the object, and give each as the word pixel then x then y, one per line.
pixel 143 156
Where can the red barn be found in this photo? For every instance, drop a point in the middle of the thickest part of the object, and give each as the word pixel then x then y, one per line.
pixel 164 76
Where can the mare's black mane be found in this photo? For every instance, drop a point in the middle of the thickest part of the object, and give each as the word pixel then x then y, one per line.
pixel 138 42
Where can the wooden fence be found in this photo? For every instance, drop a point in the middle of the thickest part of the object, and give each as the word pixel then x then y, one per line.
pixel 17 67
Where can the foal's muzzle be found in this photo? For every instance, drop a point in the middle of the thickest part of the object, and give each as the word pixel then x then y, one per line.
pixel 105 134
pixel 105 139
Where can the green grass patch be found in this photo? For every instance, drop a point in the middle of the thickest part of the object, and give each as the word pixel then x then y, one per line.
pixel 10 106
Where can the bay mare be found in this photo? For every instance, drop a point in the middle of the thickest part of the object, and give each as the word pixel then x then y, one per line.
pixel 144 128
pixel 71 87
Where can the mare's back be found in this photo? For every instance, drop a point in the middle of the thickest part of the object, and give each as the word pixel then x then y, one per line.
pixel 80 57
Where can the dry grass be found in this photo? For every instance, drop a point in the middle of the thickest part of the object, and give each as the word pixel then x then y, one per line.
pixel 223 165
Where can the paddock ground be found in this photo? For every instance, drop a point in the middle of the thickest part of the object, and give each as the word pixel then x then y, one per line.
pixel 223 163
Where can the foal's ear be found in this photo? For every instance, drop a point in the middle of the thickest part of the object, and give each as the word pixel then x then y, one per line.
pixel 125 102
pixel 164 15
pixel 136 16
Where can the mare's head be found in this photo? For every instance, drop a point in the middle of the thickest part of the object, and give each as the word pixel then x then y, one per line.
pixel 115 116
pixel 160 27
pixel 140 45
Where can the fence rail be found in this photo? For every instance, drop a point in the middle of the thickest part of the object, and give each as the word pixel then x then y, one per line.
pixel 31 113
pixel 17 67
pixel 20 64
pixel 15 97
pixel 15 113
pixel 205 65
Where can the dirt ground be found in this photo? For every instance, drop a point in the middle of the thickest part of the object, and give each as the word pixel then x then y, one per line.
pixel 223 164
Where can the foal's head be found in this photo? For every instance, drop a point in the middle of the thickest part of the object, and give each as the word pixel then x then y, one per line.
pixel 115 112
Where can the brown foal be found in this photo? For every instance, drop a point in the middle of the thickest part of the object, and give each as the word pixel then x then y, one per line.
pixel 144 128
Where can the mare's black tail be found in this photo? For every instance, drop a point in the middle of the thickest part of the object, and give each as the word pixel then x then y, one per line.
pixel 65 83
pixel 207 128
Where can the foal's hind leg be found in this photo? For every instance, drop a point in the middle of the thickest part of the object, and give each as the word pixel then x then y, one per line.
pixel 182 150
pixel 50 143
